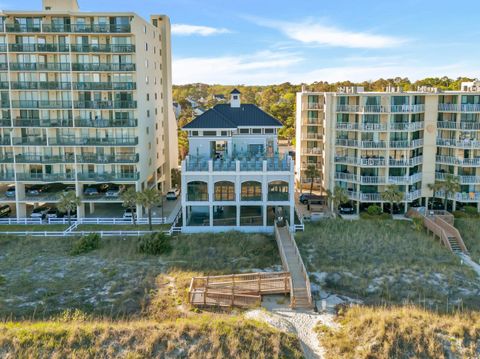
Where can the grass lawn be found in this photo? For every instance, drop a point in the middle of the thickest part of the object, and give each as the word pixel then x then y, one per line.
pixel 401 332
pixel 122 227
pixel 32 227
pixel 388 261
pixel 39 278
pixel 469 228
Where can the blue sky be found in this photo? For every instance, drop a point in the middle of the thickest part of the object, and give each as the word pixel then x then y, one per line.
pixel 274 41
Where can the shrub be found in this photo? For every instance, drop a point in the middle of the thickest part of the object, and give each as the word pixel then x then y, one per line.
pixel 417 223
pixel 471 211
pixel 3 280
pixel 155 243
pixel 86 244
pixel 374 210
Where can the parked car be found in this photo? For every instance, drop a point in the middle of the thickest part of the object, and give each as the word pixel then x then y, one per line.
pixel 173 194
pixel 5 211
pixel 35 190
pixel 52 213
pixel 128 214
pixel 346 208
pixel 305 198
pixel 69 188
pixel 113 191
pixel 40 212
pixel 10 192
pixel 91 191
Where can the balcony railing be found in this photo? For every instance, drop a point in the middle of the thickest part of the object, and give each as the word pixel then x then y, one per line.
pixel 46 177
pixel 5 141
pixel 473 126
pixel 248 164
pixel 4 122
pixel 377 197
pixel 105 104
pixel 379 161
pixel 312 151
pixel 102 67
pixel 451 107
pixel 464 179
pixel 7 176
pixel 460 196
pixel 465 143
pixel 103 48
pixel 41 104
pixel 406 126
pixel 381 108
pixel 86 28
pixel 108 176
pixel 346 142
pixel 6 157
pixel 39 48
pixel 34 158
pixel 36 122
pixel 3 66
pixel 29 141
pixel 39 66
pixel 312 136
pixel 4 85
pixel 97 123
pixel 41 85
pixel 89 141
pixel 117 158
pixel 123 86
pixel 313 106
pixel 458 161
pixel 22 28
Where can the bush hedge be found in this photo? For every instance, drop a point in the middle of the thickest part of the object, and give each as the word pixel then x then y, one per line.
pixel 155 244
pixel 86 244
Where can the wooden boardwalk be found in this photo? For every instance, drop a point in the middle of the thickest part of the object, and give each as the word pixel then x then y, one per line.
pixel 440 224
pixel 300 294
pixel 242 290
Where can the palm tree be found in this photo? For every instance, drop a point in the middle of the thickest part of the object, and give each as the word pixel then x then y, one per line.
pixel 130 198
pixel 392 195
pixel 449 186
pixel 337 197
pixel 149 198
pixel 434 187
pixel 311 173
pixel 68 202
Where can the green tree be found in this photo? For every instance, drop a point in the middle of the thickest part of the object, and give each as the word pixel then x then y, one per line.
pixel 68 202
pixel 337 197
pixel 149 198
pixel 311 173
pixel 130 198
pixel 392 194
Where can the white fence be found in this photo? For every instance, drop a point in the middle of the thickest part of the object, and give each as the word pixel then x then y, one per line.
pixel 156 220
pixel 20 221
pixel 79 233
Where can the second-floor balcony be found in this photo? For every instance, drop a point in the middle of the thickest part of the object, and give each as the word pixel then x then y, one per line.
pixel 108 176
pixel 239 164
pixel 377 197
pixel 46 177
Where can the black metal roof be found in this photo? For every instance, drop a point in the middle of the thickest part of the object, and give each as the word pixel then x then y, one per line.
pixel 235 91
pixel 225 116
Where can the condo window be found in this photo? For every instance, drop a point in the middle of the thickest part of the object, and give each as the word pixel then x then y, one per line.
pixel 148 97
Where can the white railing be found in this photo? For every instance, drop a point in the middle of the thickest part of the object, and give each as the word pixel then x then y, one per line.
pixel 465 143
pixel 459 107
pixel 155 220
pixel 460 196
pixel 20 221
pixel 346 142
pixel 381 108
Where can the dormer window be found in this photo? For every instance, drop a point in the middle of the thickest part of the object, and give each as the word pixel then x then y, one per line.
pixel 245 131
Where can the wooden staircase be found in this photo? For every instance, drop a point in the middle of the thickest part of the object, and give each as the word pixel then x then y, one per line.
pixel 300 294
pixel 440 224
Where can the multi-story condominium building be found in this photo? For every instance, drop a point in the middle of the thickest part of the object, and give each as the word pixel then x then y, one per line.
pixel 364 141
pixel 233 176
pixel 85 102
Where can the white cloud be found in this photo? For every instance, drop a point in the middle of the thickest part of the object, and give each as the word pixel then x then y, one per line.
pixel 315 33
pixel 258 68
pixel 188 30
pixel 268 67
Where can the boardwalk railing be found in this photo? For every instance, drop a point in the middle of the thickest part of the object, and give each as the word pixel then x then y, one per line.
pixel 237 289
pixel 156 220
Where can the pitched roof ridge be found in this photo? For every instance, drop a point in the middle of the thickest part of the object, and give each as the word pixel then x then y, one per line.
pixel 222 115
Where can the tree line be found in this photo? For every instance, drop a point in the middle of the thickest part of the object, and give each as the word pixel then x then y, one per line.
pixel 279 100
